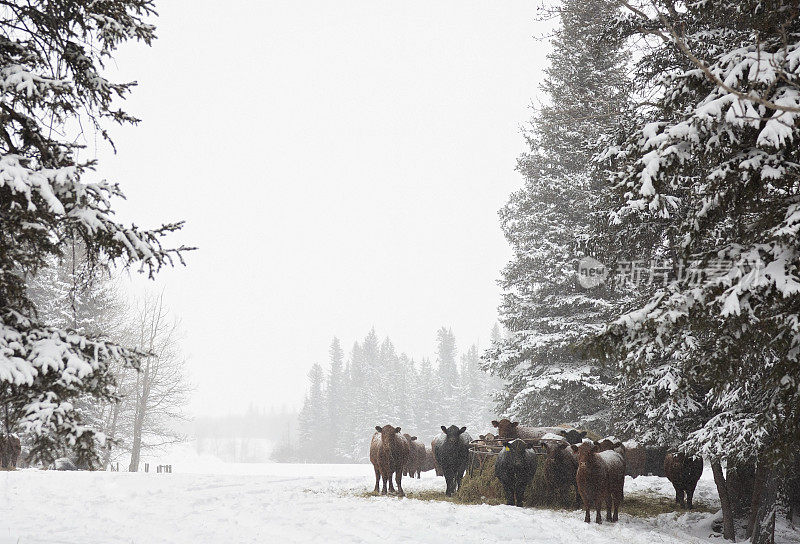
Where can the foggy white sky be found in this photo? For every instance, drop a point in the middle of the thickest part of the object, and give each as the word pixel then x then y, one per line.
pixel 340 166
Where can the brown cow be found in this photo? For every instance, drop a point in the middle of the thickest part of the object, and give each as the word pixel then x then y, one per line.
pixel 612 444
pixel 512 429
pixel 416 457
pixel 600 477
pixel 388 452
pixel 684 472
pixel 560 469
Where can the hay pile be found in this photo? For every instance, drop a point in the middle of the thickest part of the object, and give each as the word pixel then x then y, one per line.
pixel 481 486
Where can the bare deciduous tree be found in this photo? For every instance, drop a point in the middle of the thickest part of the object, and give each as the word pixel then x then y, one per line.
pixel 155 396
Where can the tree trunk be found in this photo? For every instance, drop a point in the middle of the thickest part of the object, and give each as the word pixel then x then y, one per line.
pixel 728 532
pixel 138 424
pixel 739 479
pixel 764 526
pixel 112 430
pixel 793 488
pixel 758 490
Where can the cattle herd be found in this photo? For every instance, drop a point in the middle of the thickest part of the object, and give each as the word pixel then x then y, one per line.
pixel 596 469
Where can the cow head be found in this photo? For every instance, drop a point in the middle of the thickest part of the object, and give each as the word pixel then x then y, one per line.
pixel 506 428
pixel 585 450
pixel 517 449
pixel 554 447
pixel 387 431
pixel 609 443
pixel 453 433
pixel 573 436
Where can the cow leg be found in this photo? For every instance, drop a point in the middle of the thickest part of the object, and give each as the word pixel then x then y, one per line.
pixel 578 501
pixel 377 480
pixel 521 494
pixel 587 506
pixel 508 489
pixel 399 478
pixel 678 496
pixel 609 501
pixel 448 483
pixel 689 495
pixel 383 477
pixel 458 481
pixel 598 505
pixel 391 484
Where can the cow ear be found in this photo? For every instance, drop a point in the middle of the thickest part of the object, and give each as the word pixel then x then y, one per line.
pixel 462 430
pixel 574 447
pixel 397 429
pixel 482 436
pixel 583 434
pixel 495 423
pixel 378 428
pixel 562 433
pixel 595 447
pixel 413 438
pixel 514 424
pixel 444 429
pixel 563 446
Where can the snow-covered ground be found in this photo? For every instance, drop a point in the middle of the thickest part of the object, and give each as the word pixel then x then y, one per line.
pixel 238 503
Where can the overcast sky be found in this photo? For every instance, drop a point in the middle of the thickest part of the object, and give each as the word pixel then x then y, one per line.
pixel 339 165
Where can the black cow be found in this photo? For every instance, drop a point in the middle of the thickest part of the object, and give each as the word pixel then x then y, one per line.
pixel 515 467
pixel 560 468
pixel 573 436
pixel 684 472
pixel 451 450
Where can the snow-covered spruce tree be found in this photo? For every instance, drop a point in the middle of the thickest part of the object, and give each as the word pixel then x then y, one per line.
pixel 449 381
pixel 551 223
pixel 715 154
pixel 70 293
pixel 313 420
pixel 52 55
pixel 336 398
pixel 477 406
pixel 429 413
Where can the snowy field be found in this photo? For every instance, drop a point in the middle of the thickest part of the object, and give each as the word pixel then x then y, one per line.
pixel 238 503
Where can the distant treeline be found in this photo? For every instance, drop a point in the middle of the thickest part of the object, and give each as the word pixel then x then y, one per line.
pixel 375 385
pixel 245 438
